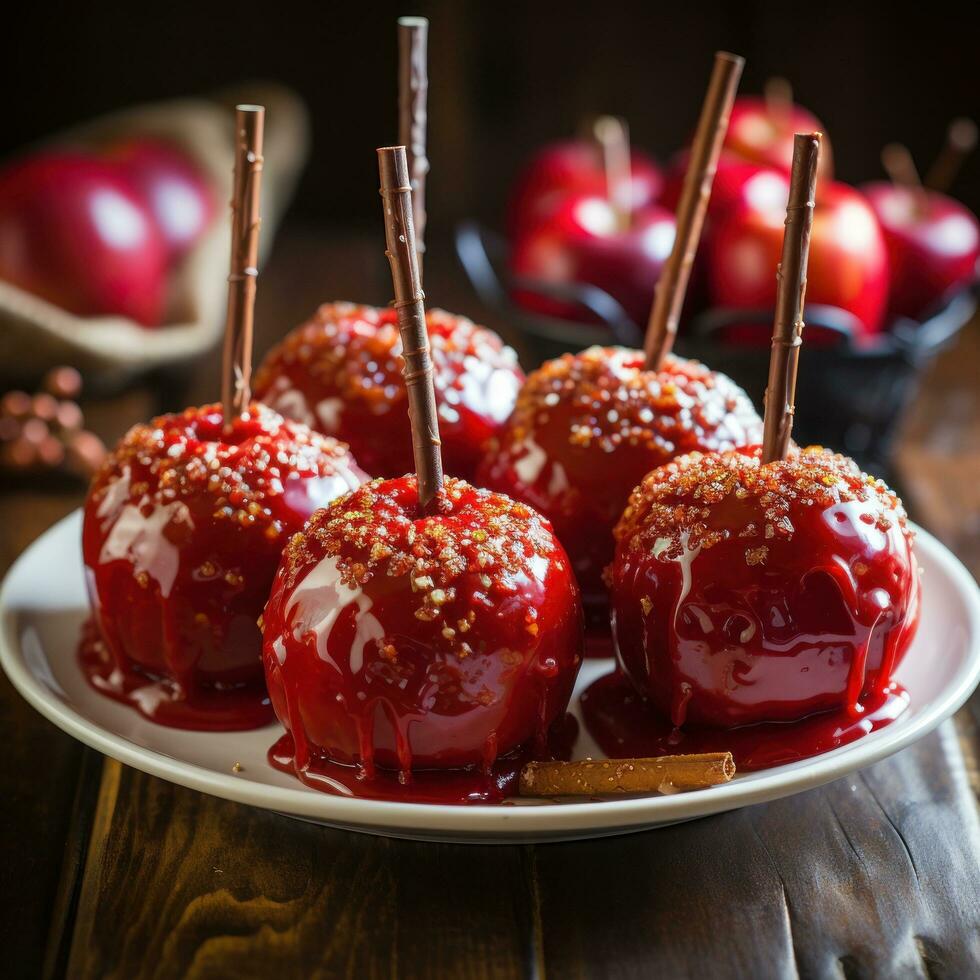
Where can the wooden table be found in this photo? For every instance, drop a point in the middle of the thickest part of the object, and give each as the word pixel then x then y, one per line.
pixel 111 873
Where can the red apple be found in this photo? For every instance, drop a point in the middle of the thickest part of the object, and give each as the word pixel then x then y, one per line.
pixel 848 259
pixel 763 133
pixel 732 175
pixel 583 242
pixel 174 190
pixel 73 232
pixel 574 167
pixel 933 244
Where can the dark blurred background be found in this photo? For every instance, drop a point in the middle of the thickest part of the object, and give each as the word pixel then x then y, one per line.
pixel 504 77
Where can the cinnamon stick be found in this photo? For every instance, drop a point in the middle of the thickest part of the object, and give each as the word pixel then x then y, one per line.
pixel 787 331
pixel 396 193
pixel 961 140
pixel 413 91
pixel 602 777
pixel 245 220
pixel 612 135
pixel 713 124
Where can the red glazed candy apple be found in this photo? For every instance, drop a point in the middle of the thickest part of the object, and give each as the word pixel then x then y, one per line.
pixel 574 167
pixel 341 373
pixel 74 232
pixel 409 641
pixel 848 259
pixel 933 245
pixel 588 427
pixel 184 527
pixel 747 593
pixel 584 242
pixel 176 193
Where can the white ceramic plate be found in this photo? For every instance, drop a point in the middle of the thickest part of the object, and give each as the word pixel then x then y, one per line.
pixel 43 603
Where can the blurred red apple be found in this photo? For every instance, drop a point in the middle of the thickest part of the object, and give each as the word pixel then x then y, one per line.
pixel 933 244
pixel 574 167
pixel 584 242
pixel 762 132
pixel 73 232
pixel 848 259
pixel 175 191
pixel 726 190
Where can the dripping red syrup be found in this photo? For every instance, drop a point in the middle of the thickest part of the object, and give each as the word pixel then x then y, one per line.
pixel 163 701
pixel 493 783
pixel 627 726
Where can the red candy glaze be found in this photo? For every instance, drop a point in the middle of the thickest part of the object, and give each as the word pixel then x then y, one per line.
pixel 341 373
pixel 588 427
pixel 183 530
pixel 406 642
pixel 626 726
pixel 744 593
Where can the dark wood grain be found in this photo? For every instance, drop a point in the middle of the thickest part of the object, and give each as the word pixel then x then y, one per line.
pixel 877 875
pixel 185 885
pixel 871 876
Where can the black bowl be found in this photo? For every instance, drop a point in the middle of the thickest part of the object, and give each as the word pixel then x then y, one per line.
pixel 850 394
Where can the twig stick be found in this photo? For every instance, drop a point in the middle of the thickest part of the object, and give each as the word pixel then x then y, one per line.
pixel 403 258
pixel 245 221
pixel 961 140
pixel 612 135
pixel 613 776
pixel 413 91
pixel 669 296
pixel 787 330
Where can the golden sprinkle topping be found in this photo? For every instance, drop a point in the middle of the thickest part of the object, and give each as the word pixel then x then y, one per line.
pixel 688 503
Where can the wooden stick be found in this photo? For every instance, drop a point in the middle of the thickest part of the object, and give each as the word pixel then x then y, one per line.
pixel 669 296
pixel 961 140
pixel 396 193
pixel 413 91
pixel 613 776
pixel 787 331
pixel 612 135
pixel 245 220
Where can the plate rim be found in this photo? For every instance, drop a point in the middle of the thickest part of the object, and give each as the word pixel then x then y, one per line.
pixel 498 821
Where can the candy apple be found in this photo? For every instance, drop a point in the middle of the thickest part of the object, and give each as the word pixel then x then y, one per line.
pixel 588 427
pixel 400 640
pixel 748 592
pixel 183 530
pixel 341 374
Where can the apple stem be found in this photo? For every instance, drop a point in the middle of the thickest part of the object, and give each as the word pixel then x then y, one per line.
pixel 961 140
pixel 668 299
pixel 413 91
pixel 787 331
pixel 900 167
pixel 396 193
pixel 613 137
pixel 243 273
pixel 778 94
